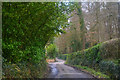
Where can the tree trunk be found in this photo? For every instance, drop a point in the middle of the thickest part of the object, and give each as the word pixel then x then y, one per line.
pixel 82 27
pixel 119 20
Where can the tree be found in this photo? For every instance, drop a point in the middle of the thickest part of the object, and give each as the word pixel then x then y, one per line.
pixel 27 27
pixel 119 20
pixel 82 26
pixel 91 23
pixel 51 51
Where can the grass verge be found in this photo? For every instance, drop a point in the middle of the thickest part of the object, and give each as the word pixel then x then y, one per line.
pixel 90 71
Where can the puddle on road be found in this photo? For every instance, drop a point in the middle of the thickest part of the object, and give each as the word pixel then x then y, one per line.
pixel 59 70
pixel 54 71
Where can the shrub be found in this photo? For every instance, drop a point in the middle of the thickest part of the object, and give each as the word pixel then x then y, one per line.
pixel 88 57
pixel 110 68
pixel 94 57
pixel 62 56
pixel 51 51
pixel 24 70
pixel 111 49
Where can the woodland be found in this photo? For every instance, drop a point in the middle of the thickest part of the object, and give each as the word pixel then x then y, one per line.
pixel 84 34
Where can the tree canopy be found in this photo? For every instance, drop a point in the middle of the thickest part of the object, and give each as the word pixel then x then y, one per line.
pixel 28 26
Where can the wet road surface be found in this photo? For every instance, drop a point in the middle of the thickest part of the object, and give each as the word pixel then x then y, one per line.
pixel 60 70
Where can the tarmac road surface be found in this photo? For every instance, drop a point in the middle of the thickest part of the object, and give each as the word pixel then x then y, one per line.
pixel 60 70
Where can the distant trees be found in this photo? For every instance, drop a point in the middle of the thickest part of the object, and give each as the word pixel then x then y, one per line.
pixel 119 19
pixel 82 26
pixel 51 51
pixel 92 23
pixel 102 19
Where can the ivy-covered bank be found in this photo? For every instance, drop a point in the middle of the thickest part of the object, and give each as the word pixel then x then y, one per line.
pixel 24 70
pixel 26 29
pixel 103 57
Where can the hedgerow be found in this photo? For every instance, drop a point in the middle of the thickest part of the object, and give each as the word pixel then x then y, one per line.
pixel 97 59
pixel 26 29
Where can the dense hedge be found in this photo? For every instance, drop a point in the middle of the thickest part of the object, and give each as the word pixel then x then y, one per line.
pixel 27 28
pixel 61 56
pixel 88 57
pixel 24 70
pixel 111 49
pixel 94 58
pixel 110 68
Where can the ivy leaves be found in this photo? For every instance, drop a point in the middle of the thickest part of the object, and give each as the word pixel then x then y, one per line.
pixel 31 25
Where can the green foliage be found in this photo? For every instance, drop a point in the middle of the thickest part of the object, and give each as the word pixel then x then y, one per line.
pixel 94 58
pixel 24 70
pixel 91 71
pixel 27 27
pixel 62 56
pixel 88 57
pixel 111 49
pixel 26 32
pixel 51 51
pixel 75 45
pixel 110 68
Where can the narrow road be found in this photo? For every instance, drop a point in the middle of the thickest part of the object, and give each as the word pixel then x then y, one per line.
pixel 60 70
